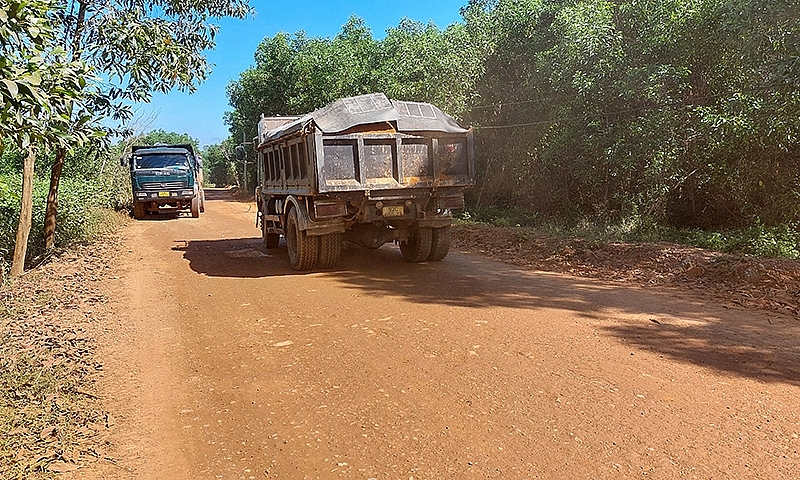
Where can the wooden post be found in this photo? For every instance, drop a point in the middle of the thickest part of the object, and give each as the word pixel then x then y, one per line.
pixel 25 215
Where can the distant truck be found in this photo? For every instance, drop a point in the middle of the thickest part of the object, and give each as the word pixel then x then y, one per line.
pixel 166 178
pixel 364 169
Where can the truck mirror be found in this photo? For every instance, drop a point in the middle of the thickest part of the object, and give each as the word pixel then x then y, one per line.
pixel 123 162
pixel 240 152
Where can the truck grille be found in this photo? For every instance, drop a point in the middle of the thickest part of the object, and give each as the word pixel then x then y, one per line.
pixel 162 186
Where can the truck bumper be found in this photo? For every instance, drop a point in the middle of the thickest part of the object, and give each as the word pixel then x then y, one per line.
pixel 162 196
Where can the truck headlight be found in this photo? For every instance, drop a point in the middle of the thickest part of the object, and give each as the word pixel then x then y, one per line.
pixel 141 194
pixel 187 192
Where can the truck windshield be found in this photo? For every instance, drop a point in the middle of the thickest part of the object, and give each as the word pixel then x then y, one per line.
pixel 164 160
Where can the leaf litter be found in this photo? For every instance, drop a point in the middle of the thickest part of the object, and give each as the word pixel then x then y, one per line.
pixel 51 418
pixel 732 280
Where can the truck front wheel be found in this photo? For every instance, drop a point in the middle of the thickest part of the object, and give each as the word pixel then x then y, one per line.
pixel 196 206
pixel 418 246
pixel 138 210
pixel 302 249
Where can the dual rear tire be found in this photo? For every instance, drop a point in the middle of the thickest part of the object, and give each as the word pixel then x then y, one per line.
pixel 324 251
pixel 306 251
pixel 426 244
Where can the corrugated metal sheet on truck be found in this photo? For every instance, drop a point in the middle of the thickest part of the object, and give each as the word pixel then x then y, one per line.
pixel 364 169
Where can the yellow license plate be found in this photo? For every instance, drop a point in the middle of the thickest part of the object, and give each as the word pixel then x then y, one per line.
pixel 393 211
pixel 163 194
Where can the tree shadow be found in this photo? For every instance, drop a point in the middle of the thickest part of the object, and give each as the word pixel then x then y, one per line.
pixel 217 193
pixel 749 344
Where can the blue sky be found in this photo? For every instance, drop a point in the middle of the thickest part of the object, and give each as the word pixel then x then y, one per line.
pixel 200 114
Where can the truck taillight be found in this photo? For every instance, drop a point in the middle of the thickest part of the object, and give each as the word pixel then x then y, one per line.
pixel 328 210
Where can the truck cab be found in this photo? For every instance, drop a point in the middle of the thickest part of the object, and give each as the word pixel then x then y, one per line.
pixel 166 178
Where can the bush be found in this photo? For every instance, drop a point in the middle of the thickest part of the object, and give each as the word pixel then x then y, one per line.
pixel 86 209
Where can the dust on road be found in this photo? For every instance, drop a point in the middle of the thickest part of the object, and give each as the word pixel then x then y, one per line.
pixel 226 363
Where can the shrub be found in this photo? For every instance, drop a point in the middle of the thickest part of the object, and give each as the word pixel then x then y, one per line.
pixel 85 211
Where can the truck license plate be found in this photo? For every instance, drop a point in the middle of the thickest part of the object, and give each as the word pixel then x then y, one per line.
pixel 163 194
pixel 396 211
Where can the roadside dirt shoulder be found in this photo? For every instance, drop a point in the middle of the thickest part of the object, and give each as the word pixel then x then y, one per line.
pixel 731 280
pixel 54 419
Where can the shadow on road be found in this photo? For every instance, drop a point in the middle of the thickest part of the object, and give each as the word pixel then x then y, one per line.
pixel 228 194
pixel 237 257
pixel 756 345
pixel 747 347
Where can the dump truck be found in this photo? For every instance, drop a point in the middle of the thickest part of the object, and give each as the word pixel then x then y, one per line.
pixel 165 178
pixel 367 170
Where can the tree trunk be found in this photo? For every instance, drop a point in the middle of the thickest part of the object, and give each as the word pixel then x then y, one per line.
pixel 52 201
pixel 25 215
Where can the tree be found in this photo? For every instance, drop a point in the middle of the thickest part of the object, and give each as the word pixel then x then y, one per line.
pixel 683 111
pixel 219 163
pixel 295 74
pixel 154 137
pixel 43 94
pixel 140 46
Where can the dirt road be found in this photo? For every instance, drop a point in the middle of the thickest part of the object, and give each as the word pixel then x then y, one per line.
pixel 225 363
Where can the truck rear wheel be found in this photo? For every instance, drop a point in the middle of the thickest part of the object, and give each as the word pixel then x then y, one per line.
pixel 138 210
pixel 440 244
pixel 196 206
pixel 418 246
pixel 302 249
pixel 202 201
pixel 330 250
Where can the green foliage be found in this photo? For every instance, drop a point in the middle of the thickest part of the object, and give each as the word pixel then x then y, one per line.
pixel 45 95
pixel 682 114
pixel 685 111
pixel 295 74
pixel 86 210
pixel 154 137
pixel 219 163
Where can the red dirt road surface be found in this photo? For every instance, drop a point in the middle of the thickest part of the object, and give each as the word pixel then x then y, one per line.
pixel 223 362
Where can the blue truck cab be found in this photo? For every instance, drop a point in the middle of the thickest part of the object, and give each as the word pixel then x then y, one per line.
pixel 166 178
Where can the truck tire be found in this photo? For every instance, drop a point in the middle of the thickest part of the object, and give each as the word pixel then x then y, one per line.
pixel 271 240
pixel 138 210
pixel 196 206
pixel 330 250
pixel 202 201
pixel 440 244
pixel 302 249
pixel 418 246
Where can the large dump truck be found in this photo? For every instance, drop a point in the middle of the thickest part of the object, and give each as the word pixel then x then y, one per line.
pixel 364 169
pixel 165 178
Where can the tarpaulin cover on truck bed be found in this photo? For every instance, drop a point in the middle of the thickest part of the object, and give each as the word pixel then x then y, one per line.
pixel 346 113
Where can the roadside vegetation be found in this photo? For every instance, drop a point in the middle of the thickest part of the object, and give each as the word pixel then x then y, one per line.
pixel 596 122
pixel 779 241
pixel 654 120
